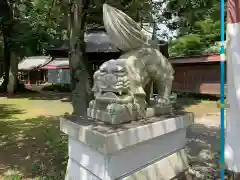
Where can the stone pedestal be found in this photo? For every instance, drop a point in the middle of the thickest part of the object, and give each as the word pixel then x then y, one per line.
pixel 150 149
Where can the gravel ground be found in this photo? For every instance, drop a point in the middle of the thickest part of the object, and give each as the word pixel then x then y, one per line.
pixel 203 147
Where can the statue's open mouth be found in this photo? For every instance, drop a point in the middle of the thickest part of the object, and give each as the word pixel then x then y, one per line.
pixel 120 96
pixel 119 92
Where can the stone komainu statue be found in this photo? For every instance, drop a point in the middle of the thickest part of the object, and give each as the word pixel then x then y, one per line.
pixel 122 87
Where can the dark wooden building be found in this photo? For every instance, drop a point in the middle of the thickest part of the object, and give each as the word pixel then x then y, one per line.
pixel 99 48
pixel 197 74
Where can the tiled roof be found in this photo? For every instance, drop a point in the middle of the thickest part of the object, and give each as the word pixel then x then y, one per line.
pixel 33 62
pixel 57 63
pixel 96 41
pixel 195 59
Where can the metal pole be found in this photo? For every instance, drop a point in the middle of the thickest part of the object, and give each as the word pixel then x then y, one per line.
pixel 222 85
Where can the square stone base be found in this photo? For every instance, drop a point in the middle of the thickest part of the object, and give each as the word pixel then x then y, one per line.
pixel 152 149
pixel 167 168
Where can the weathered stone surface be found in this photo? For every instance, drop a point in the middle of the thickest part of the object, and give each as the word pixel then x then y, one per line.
pixel 123 87
pixel 126 116
pixel 108 138
pixel 137 150
pixel 158 170
pixel 170 167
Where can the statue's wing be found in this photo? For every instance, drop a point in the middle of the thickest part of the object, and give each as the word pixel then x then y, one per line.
pixel 125 33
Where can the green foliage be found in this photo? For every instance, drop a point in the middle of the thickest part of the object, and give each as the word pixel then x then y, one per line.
pixel 197 24
pixel 204 35
pixel 186 45
pixel 37 25
pixel 40 24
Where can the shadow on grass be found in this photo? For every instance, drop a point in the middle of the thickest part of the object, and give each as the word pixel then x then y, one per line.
pixel 203 149
pixel 64 97
pixel 35 148
pixel 185 100
pixel 7 111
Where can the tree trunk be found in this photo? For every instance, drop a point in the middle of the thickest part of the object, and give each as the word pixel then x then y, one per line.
pixel 79 71
pixel 12 82
pixel 6 62
pixel 6 27
pixel 10 61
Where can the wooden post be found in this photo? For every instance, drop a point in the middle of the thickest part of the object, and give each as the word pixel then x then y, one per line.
pixel 44 76
pixel 28 81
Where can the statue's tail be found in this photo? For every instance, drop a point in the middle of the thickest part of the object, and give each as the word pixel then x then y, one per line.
pixel 125 33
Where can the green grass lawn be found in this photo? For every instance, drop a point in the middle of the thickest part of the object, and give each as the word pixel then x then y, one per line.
pixel 31 144
pixel 32 147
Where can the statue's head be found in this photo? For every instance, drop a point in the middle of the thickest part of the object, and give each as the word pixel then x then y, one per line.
pixel 111 81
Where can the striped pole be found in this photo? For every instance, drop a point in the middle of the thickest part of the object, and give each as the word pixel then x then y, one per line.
pixel 222 94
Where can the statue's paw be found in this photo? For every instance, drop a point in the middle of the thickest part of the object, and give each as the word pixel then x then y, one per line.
pixel 140 109
pixel 92 104
pixel 116 108
pixel 162 101
pixel 173 98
